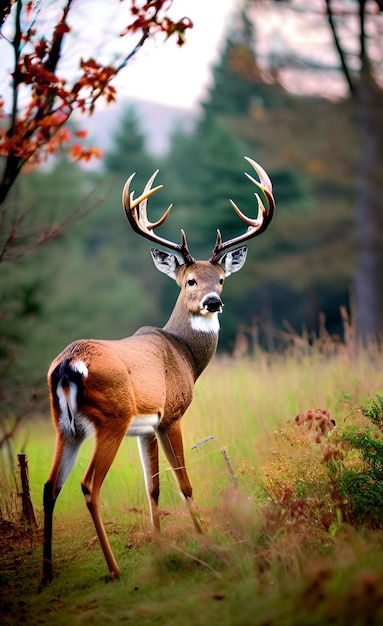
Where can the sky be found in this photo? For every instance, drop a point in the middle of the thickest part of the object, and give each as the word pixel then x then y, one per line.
pixel 175 75
pixel 179 76
pixel 164 72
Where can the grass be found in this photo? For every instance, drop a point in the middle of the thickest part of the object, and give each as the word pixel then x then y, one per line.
pixel 278 549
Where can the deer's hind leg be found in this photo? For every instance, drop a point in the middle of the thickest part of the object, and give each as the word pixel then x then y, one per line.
pixel 64 458
pixel 105 450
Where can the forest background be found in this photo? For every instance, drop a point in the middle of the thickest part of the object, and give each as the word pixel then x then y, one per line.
pixel 95 279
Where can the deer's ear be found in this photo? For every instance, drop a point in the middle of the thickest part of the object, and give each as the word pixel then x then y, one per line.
pixel 234 260
pixel 165 262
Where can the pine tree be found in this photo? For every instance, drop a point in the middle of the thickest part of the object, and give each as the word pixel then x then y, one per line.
pixel 129 152
pixel 238 85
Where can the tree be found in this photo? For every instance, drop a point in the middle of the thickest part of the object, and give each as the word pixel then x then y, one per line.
pixel 42 98
pixel 129 152
pixel 238 80
pixel 356 29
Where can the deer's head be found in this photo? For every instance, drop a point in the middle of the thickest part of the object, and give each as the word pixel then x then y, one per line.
pixel 201 282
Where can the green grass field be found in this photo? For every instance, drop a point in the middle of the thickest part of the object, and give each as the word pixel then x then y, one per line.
pixel 277 550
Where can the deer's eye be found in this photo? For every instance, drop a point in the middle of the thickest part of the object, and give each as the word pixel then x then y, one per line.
pixel 221 281
pixel 191 282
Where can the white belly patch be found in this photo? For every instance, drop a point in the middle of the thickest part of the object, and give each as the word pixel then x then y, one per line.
pixel 143 425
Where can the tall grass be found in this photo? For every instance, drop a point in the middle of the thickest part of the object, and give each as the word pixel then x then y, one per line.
pixel 237 404
pixel 276 543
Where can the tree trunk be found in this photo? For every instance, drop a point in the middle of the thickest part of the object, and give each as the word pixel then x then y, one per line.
pixel 369 211
pixel 11 172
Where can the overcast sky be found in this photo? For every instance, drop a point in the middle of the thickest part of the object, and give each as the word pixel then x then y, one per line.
pixel 178 76
pixel 163 72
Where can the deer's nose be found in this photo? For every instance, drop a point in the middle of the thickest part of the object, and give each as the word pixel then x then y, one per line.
pixel 212 304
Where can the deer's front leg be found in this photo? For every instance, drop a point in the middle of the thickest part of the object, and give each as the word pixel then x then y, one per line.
pixel 171 442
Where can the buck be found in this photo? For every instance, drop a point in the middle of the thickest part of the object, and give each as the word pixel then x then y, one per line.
pixel 142 385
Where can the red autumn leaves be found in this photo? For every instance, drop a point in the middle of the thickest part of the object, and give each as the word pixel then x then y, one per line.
pixel 37 128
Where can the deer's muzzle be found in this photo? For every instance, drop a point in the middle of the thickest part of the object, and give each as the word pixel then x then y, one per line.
pixel 212 304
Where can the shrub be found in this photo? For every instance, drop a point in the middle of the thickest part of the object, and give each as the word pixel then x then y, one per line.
pixel 363 485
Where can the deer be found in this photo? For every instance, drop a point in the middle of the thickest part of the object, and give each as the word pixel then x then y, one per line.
pixel 142 385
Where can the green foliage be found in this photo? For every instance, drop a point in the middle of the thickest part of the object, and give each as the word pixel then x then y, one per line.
pixel 87 282
pixel 374 411
pixel 363 485
pixel 27 281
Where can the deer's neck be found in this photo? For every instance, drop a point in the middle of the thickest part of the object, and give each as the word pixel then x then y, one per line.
pixel 198 333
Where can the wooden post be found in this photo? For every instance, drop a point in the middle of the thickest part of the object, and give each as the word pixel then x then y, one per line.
pixel 28 512
pixel 230 467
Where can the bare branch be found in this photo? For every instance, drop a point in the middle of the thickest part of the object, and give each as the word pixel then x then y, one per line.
pixel 18 243
pixel 342 56
pixel 10 433
pixel 55 52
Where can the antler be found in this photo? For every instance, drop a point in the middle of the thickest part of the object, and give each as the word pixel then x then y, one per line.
pixel 255 226
pixel 135 209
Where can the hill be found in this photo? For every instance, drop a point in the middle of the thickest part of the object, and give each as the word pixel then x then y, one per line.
pixel 158 122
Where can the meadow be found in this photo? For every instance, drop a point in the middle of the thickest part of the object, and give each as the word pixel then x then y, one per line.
pixel 282 545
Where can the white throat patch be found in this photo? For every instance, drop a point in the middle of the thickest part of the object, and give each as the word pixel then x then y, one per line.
pixel 208 323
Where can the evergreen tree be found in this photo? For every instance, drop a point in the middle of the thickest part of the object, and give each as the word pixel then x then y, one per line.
pixel 129 152
pixel 237 86
pixel 28 281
